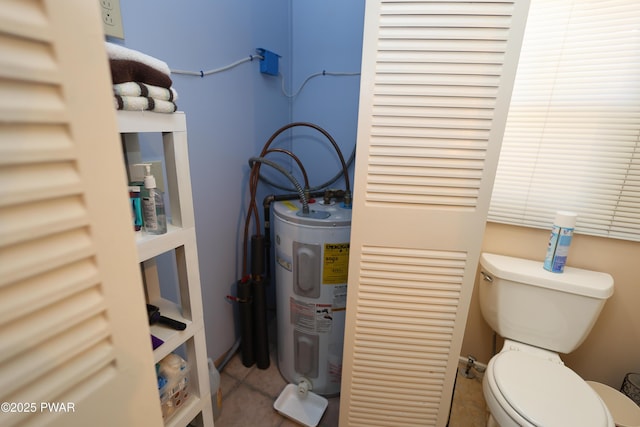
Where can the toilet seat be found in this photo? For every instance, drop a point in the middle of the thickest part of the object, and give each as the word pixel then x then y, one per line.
pixel 546 393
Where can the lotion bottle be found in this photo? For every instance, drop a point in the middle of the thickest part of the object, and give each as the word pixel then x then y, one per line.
pixel 155 219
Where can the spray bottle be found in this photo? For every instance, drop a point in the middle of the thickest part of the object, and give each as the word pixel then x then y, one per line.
pixel 559 241
pixel 155 219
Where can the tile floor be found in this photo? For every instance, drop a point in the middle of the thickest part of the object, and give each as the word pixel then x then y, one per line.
pixel 248 395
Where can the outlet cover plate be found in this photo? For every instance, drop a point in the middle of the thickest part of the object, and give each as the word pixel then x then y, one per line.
pixel 111 18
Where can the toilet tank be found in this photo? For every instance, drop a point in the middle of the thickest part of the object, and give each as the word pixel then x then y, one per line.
pixel 522 301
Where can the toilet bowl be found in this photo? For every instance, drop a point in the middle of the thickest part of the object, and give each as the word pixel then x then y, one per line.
pixel 527 386
pixel 540 314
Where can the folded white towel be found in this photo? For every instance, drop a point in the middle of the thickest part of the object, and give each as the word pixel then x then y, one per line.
pixel 140 103
pixel 115 51
pixel 146 90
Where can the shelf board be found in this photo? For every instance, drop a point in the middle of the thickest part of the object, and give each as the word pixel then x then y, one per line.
pixel 172 338
pixel 151 245
pixel 147 121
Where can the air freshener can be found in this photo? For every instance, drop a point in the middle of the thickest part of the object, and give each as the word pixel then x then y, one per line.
pixel 559 241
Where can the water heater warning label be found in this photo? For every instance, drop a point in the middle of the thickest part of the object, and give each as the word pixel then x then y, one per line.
pixel 309 317
pixel 335 267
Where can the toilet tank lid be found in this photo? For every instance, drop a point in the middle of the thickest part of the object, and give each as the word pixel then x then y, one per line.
pixel 578 281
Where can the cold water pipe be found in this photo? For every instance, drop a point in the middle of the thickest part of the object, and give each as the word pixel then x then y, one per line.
pixel 230 354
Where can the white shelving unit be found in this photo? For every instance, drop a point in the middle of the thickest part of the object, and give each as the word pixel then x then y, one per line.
pixel 180 240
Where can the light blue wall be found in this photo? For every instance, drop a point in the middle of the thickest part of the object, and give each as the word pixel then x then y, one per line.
pixel 232 114
pixel 327 36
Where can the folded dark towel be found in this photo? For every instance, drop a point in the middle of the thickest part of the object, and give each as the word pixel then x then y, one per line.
pixel 124 70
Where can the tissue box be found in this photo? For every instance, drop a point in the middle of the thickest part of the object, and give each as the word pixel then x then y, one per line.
pixel 173 382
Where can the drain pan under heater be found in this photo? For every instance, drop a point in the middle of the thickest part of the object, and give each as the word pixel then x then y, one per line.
pixel 304 409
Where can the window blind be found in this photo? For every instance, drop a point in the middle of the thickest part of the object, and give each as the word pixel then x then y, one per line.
pixel 572 138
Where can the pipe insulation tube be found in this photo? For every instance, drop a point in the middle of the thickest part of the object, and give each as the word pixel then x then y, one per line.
pixel 257 255
pixel 246 322
pixel 261 337
pixel 258 290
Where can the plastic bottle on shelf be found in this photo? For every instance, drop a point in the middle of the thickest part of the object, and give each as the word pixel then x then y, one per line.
pixel 559 241
pixel 155 219
pixel 216 390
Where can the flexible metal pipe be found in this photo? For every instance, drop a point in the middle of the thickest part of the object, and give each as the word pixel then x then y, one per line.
pixel 345 171
pixel 296 184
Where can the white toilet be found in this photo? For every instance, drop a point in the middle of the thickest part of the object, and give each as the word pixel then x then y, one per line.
pixel 540 314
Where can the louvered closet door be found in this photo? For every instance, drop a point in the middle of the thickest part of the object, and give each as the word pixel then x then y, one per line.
pixel 73 331
pixel 436 83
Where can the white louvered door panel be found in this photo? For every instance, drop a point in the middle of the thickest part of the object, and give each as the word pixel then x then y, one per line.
pixel 74 341
pixel 435 89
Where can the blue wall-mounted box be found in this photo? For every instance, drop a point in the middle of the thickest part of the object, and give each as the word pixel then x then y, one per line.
pixel 269 62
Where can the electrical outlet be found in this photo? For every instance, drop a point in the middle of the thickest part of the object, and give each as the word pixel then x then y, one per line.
pixel 112 18
pixel 107 18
